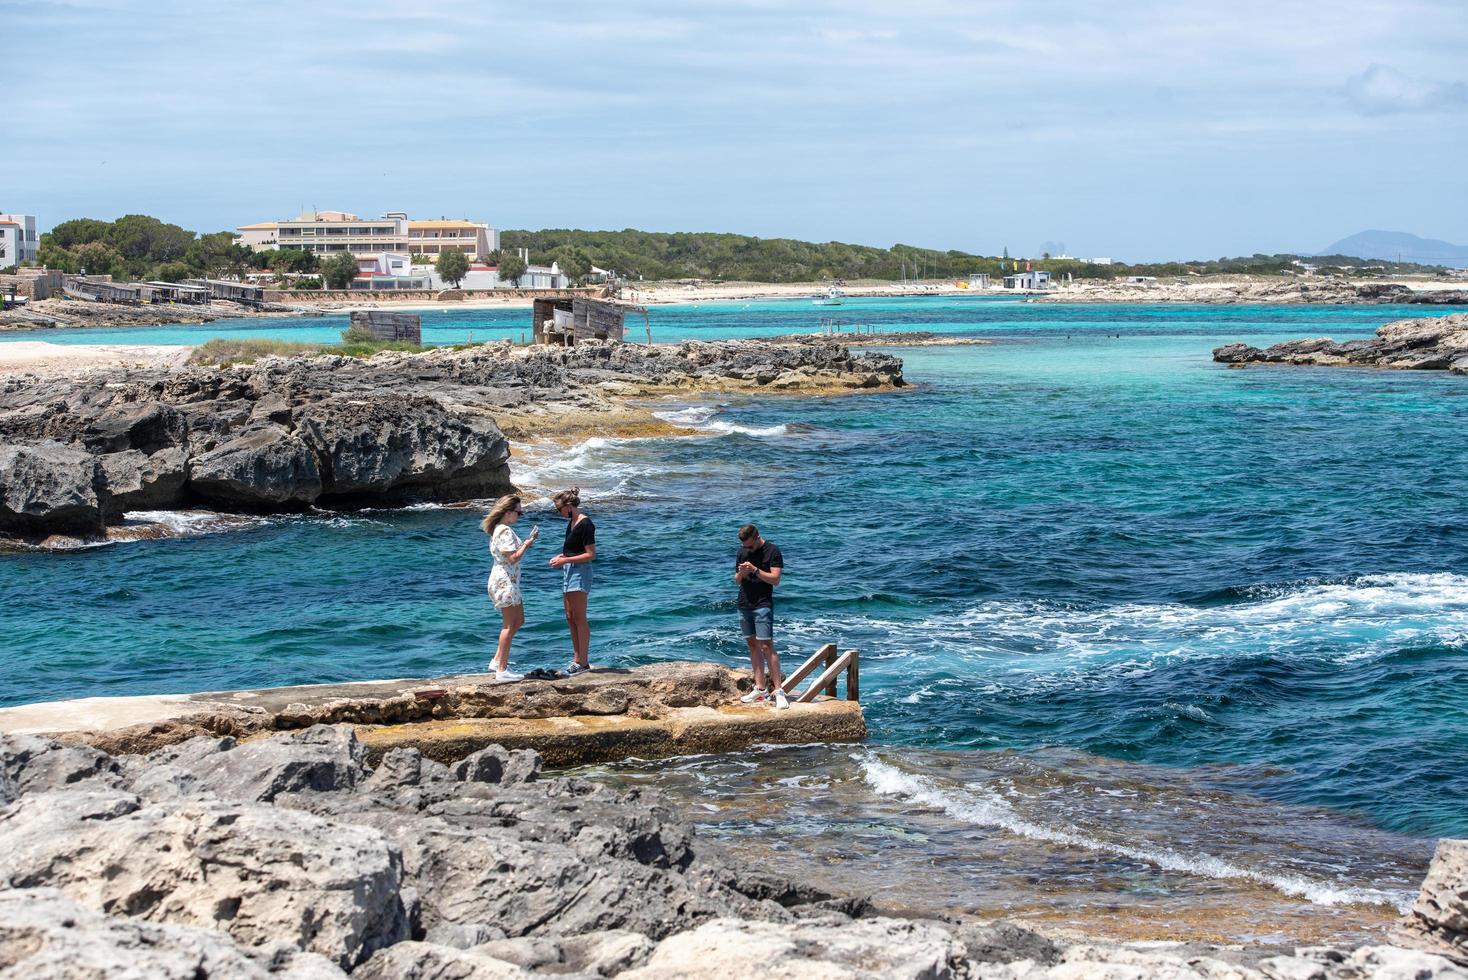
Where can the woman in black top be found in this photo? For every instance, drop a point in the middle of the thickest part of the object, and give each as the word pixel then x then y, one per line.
pixel 575 563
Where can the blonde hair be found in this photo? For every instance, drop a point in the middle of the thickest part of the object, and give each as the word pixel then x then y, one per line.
pixel 567 498
pixel 497 513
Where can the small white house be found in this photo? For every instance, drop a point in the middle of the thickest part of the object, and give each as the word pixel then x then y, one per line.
pixel 1142 280
pixel 1028 281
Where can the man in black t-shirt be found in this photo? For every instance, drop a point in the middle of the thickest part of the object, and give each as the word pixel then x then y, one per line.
pixel 757 570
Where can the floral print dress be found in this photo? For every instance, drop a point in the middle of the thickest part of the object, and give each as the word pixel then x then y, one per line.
pixel 504 578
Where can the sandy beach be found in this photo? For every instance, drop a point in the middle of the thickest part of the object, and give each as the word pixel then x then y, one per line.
pixel 41 357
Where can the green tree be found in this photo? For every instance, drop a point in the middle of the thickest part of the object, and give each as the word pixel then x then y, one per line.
pixel 173 272
pixel 291 260
pixel 97 259
pixel 452 266
pixel 511 266
pixel 340 270
pixel 217 254
pixel 573 260
pixel 146 239
pixel 77 231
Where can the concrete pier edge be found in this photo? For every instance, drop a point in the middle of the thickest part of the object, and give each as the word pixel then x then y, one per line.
pixel 652 711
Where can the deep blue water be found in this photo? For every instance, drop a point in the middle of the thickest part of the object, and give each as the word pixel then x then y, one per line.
pixel 1086 535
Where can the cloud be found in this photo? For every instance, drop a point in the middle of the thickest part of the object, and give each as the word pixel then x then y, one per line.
pixel 1382 90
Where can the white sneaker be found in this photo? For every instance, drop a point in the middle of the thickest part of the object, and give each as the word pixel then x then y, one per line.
pixel 573 668
pixel 781 701
pixel 758 696
pixel 507 677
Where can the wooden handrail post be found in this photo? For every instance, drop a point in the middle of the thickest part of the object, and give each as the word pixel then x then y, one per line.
pixel 853 677
pixel 831 659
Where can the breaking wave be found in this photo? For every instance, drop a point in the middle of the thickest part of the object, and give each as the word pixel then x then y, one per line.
pixel 982 807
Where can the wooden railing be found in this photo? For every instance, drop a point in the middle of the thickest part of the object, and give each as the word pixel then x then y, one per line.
pixel 826 657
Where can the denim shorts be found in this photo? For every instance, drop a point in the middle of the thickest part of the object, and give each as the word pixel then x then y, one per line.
pixel 576 577
pixel 758 623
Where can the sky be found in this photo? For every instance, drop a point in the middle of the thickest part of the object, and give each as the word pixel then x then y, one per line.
pixel 1132 129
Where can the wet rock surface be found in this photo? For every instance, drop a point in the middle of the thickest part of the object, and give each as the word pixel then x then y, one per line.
pixel 290 857
pixel 288 433
pixel 1433 344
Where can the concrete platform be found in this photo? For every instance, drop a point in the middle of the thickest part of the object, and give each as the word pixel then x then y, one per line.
pixel 652 711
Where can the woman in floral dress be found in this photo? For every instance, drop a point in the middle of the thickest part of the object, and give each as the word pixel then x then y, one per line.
pixel 504 579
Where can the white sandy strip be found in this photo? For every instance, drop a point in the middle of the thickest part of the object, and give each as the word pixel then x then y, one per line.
pixel 40 357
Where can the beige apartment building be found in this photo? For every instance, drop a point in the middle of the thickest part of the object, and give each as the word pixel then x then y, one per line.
pixel 471 237
pixel 328 232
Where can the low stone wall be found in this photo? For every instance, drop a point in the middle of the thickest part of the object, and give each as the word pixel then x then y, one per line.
pixel 418 295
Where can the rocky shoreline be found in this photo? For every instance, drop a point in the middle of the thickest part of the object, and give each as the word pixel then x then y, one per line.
pixel 1231 290
pixel 290 856
pixel 1435 344
pixel 64 313
pixel 284 434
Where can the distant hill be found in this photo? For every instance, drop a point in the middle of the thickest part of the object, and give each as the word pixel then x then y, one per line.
pixel 1392 246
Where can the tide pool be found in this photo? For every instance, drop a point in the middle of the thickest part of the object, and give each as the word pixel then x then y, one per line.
pixel 1085 537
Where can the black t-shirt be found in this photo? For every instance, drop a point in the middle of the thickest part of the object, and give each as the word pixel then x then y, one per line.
pixel 755 592
pixel 578 537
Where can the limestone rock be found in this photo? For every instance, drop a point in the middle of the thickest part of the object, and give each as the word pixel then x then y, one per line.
pixel 1438 920
pixel 136 481
pixel 46 936
pixel 600 954
pixel 404 446
pixel 259 873
pixel 425 961
pixel 323 759
pixel 891 949
pixel 498 765
pixel 32 764
pixel 50 488
pixel 1431 344
pixel 265 467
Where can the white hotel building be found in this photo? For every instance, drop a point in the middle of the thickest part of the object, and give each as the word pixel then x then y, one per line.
pixel 329 232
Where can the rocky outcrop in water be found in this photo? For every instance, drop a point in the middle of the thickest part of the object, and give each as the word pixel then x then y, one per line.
pixel 289 857
pixel 1229 290
pixel 1435 344
pixel 77 453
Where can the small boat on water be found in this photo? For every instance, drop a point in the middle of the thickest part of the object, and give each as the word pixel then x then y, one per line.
pixel 833 297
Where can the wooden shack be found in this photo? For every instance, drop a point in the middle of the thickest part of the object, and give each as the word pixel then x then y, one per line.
pixel 389 326
pixel 175 292
pixel 564 322
pixel 239 292
pixel 99 291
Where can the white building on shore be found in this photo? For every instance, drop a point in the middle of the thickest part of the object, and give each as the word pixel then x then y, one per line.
pixel 1028 280
pixel 329 232
pixel 19 242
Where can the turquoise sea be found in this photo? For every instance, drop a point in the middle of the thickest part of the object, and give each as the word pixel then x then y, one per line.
pixel 1082 547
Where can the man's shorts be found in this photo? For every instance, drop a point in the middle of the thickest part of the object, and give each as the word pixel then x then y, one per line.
pixel 758 623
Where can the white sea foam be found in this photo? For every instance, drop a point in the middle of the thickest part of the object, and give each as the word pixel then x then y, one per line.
pixel 758 432
pixel 1338 623
pixel 705 419
pixel 980 806
pixel 692 415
